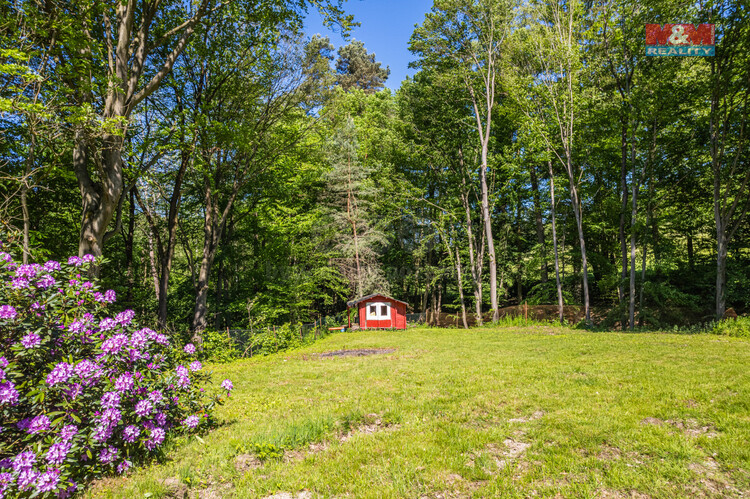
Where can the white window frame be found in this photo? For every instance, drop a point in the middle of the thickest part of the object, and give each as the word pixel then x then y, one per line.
pixel 378 308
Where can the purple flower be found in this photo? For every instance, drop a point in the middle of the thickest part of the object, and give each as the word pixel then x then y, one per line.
pixel 124 382
pixel 110 400
pixel 109 296
pixel 24 461
pixel 7 312
pixel 144 408
pixel 191 421
pixel 5 257
pixel 88 258
pixel 6 480
pixel 189 348
pixel 161 339
pixel 107 324
pixel 26 271
pixel 156 438
pixel 111 416
pixel 139 339
pixel 39 423
pixel 195 366
pixel 31 340
pixel 161 419
pixel 57 453
pixel 68 432
pixel 19 283
pixel 8 393
pixel 74 260
pixel 108 455
pixel 183 382
pixel 227 385
pixel 130 433
pixel 74 391
pixel 156 396
pixel 77 327
pixel 64 494
pixel 47 481
pixel 115 343
pixel 102 433
pixel 46 281
pixel 123 466
pixel 98 297
pixel 60 373
pixel 3 362
pixel 181 371
pixel 26 478
pixel 86 368
pixel 125 318
pixel 51 266
pixel 2 374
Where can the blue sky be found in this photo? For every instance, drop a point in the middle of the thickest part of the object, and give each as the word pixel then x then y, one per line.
pixel 386 26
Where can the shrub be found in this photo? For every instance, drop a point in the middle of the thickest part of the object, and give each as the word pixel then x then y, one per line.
pixel 218 347
pixel 84 391
pixel 739 327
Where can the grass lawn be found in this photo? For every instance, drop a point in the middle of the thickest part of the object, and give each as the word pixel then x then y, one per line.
pixel 504 412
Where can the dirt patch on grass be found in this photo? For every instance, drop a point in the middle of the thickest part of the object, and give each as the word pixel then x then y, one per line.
pixel 711 481
pixel 372 423
pixel 218 491
pixel 460 487
pixel 175 488
pixel 525 419
pixel 690 427
pixel 609 452
pixel 360 352
pixel 693 428
pixel 500 455
pixel 245 462
pixel 619 494
pixel 305 494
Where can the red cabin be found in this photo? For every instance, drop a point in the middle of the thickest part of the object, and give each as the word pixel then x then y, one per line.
pixel 379 312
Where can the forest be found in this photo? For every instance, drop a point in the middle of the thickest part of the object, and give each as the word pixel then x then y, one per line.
pixel 234 172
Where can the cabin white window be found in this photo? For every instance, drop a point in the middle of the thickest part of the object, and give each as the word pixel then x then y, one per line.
pixel 378 311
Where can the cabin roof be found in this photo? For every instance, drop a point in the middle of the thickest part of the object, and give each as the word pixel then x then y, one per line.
pixel 365 298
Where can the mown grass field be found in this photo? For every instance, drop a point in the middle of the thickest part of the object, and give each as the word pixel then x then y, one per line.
pixel 505 412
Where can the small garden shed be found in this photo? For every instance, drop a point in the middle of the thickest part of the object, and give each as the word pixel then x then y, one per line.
pixel 379 312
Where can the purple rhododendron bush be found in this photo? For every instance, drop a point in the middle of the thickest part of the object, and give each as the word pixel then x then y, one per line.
pixel 84 391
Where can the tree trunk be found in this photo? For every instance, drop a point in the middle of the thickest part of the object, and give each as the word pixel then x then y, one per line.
pixel 100 199
pixel 582 243
pixel 26 223
pixel 475 262
pixel 488 235
pixel 461 288
pixel 152 261
pixel 129 239
pixel 623 213
pixel 539 222
pixel 167 256
pixel 211 233
pixel 558 283
pixel 721 271
pixel 631 302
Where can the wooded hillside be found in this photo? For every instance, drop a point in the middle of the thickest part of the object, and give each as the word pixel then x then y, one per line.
pixel 234 172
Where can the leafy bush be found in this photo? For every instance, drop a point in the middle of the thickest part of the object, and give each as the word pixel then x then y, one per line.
pixel 84 391
pixel 739 327
pixel 277 339
pixel 218 347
